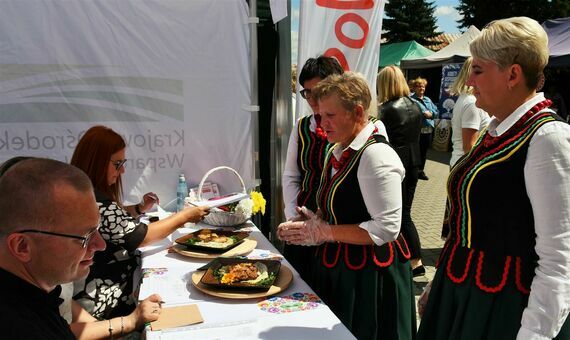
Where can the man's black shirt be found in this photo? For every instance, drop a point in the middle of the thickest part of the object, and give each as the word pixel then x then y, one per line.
pixel 28 312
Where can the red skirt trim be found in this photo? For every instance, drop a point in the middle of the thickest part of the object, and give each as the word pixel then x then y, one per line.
pixel 335 261
pixel 387 262
pixel 518 281
pixel 407 254
pixel 347 262
pixel 501 284
pixel 450 274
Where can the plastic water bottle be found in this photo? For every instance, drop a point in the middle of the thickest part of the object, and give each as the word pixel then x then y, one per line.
pixel 181 192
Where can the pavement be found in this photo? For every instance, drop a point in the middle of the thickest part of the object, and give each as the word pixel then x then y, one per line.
pixel 427 212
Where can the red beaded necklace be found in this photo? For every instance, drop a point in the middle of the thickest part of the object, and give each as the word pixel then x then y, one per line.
pixel 489 140
pixel 319 130
pixel 346 154
pixel 337 164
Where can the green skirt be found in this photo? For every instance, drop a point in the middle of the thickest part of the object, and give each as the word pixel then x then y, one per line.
pixel 465 312
pixel 374 302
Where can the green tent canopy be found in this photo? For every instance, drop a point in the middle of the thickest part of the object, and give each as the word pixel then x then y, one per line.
pixel 391 54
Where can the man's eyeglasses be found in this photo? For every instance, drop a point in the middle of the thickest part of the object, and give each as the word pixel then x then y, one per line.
pixel 118 164
pixel 84 239
pixel 305 93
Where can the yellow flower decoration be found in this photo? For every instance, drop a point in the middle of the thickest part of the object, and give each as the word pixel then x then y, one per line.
pixel 258 202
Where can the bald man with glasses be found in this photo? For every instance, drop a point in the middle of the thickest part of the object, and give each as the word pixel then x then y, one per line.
pixel 48 236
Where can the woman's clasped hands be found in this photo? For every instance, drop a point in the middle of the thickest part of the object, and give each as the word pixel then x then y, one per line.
pixel 306 229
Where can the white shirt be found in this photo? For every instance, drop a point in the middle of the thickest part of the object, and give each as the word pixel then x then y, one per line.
pixel 380 174
pixel 465 116
pixel 547 179
pixel 291 180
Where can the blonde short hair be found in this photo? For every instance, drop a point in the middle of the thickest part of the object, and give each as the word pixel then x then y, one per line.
pixel 418 81
pixel 459 86
pixel 517 40
pixel 391 84
pixel 351 89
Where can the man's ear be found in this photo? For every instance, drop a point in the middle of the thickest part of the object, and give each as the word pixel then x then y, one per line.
pixel 19 246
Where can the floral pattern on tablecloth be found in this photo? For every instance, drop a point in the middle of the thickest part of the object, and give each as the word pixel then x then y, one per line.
pixel 295 302
pixel 148 272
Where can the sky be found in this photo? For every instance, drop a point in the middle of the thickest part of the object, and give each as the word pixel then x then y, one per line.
pixel 445 13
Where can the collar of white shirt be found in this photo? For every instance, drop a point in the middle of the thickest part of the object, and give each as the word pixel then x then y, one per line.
pixel 497 128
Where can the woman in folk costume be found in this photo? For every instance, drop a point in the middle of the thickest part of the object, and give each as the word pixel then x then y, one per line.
pixel 305 156
pixel 361 269
pixel 504 272
pixel 306 153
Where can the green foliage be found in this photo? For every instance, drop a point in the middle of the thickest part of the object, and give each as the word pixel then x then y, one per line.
pixel 481 12
pixel 409 20
pixel 267 282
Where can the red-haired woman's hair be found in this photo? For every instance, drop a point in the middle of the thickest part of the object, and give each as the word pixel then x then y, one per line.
pixel 93 154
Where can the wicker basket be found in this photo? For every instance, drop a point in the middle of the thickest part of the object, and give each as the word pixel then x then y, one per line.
pixel 218 217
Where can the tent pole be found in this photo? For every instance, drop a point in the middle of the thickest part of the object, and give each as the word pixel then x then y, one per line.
pixel 253 21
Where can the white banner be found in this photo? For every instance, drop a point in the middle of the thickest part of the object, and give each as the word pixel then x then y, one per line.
pixel 348 30
pixel 171 76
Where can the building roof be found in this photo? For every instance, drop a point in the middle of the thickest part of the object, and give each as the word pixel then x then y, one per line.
pixel 438 42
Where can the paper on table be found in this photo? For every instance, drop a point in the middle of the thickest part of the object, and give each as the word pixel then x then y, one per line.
pixel 213 203
pixel 177 316
pixel 154 279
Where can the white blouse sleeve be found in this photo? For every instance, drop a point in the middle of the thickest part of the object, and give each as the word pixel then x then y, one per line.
pixel 547 178
pixel 291 175
pixel 380 175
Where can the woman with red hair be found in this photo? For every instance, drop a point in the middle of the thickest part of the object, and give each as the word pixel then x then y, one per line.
pixel 108 290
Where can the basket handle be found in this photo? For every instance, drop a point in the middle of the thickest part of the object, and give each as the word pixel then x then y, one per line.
pixel 214 170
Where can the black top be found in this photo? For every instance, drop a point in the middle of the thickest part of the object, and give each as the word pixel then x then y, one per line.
pixel 403 120
pixel 28 312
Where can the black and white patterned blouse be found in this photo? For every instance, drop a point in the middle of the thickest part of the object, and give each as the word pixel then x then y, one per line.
pixel 107 291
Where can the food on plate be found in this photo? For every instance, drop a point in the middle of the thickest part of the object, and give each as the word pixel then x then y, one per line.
pixel 249 273
pixel 209 238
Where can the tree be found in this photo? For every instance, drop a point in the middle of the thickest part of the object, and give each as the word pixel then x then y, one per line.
pixel 409 20
pixel 481 12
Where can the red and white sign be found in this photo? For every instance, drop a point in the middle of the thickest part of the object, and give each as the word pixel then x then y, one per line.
pixel 348 30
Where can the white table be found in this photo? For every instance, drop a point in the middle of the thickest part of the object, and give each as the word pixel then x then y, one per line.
pixel 226 318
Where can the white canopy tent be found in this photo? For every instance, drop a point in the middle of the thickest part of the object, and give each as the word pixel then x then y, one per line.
pixel 176 79
pixel 456 52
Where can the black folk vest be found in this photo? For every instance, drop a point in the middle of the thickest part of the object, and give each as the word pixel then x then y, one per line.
pixel 341 202
pixel 492 236
pixel 311 152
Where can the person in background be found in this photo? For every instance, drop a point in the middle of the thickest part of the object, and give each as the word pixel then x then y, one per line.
pixel 503 272
pixel 305 156
pixel 108 290
pixel 430 113
pixel 402 118
pixel 361 270
pixel 468 120
pixel 48 236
